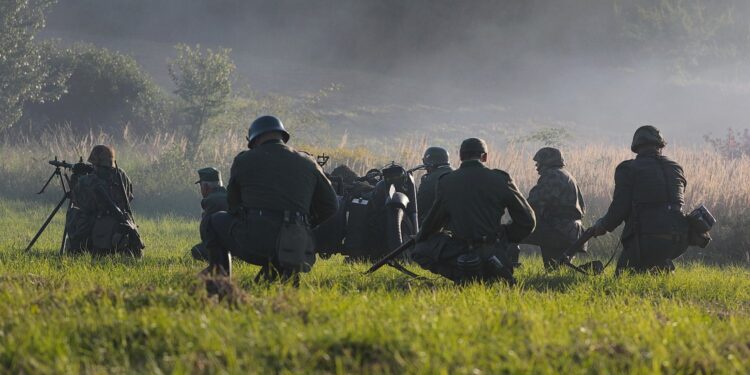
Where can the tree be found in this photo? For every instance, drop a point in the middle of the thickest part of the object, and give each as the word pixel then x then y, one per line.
pixel 106 90
pixel 24 74
pixel 203 81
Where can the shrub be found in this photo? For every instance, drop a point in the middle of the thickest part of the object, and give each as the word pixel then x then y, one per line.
pixel 106 90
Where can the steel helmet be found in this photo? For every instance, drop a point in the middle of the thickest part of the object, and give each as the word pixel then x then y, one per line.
pixel 549 157
pixel 435 156
pixel 263 125
pixel 647 135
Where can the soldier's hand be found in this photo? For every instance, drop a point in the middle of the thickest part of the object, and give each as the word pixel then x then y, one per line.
pixel 599 229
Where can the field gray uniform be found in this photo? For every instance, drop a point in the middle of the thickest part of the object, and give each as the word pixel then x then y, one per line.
pixel 266 184
pixel 648 197
pixel 214 202
pixel 466 218
pixel 427 187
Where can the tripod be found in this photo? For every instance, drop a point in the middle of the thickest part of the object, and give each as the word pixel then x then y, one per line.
pixel 65 185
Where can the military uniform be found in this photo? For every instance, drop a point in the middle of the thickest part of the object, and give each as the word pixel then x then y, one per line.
pixel 648 197
pixel 426 191
pixel 271 189
pixel 213 202
pixel 466 220
pixel 559 207
pixel 92 207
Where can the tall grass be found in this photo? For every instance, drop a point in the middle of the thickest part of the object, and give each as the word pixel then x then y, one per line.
pixel 163 176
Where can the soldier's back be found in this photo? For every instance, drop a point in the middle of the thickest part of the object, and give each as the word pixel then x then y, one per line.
pixel 274 176
pixel 475 198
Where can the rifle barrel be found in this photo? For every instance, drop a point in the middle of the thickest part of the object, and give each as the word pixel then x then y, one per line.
pixel 390 256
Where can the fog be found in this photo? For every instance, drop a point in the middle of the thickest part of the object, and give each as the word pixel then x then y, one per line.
pixel 449 67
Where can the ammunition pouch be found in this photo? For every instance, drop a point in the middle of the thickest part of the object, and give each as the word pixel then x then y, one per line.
pixel 700 221
pixel 295 249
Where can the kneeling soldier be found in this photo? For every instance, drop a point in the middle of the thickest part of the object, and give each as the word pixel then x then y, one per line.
pixel 275 195
pixel 462 237
pixel 214 200
pixel 558 204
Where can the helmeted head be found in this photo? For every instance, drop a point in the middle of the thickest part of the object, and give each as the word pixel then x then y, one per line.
pixel 647 136
pixel 435 157
pixel 102 156
pixel 473 148
pixel 265 125
pixel 549 157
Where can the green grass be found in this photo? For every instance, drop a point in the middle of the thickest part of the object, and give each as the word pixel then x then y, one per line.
pixel 78 314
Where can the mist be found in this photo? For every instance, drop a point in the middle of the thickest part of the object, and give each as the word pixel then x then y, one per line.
pixel 440 69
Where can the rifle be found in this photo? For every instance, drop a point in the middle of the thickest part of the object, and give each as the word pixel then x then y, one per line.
pixel 595 267
pixel 130 222
pixel 390 257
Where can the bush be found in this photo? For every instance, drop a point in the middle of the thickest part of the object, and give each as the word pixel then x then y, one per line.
pixel 106 90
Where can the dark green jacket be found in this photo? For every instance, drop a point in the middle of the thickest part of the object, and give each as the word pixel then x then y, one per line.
pixel 426 192
pixel 215 201
pixel 275 177
pixel 471 201
pixel 651 183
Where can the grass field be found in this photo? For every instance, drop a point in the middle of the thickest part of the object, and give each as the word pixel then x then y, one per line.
pixel 82 315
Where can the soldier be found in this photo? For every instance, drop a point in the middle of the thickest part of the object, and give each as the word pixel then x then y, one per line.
pixel 104 222
pixel 437 163
pixel 214 200
pixel 648 197
pixel 275 195
pixel 558 205
pixel 462 238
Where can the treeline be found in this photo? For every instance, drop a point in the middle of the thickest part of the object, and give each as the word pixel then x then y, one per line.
pixel 82 89
pixel 377 34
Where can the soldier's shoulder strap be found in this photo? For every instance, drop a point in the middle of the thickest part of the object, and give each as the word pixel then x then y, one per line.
pixel 502 173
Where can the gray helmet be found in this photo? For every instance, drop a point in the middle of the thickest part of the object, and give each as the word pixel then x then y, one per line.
pixel 435 156
pixel 263 125
pixel 647 135
pixel 549 157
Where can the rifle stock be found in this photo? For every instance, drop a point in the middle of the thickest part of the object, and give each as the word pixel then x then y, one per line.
pixel 578 245
pixel 391 256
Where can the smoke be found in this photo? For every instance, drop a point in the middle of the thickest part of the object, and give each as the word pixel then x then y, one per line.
pixel 452 68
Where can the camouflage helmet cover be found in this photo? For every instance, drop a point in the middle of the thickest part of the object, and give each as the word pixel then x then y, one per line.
pixel 549 157
pixel 102 156
pixel 647 135
pixel 435 156
pixel 266 124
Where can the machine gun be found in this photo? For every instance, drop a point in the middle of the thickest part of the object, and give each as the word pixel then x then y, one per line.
pixel 61 168
pixel 390 258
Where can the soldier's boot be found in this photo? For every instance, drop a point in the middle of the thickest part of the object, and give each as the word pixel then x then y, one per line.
pixel 220 263
pixel 198 252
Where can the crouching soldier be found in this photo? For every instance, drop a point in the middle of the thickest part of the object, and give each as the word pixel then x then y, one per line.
pixel 214 200
pixel 649 195
pixel 275 196
pixel 104 221
pixel 462 237
pixel 437 163
pixel 558 204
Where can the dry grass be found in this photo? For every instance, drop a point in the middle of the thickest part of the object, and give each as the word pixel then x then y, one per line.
pixel 163 175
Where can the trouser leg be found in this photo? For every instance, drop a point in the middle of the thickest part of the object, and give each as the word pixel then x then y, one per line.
pixel 219 242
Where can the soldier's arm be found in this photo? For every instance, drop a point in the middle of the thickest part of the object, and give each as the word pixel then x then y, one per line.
pixel 324 202
pixel 234 193
pixel 128 185
pixel 622 199
pixel 436 218
pixel 523 218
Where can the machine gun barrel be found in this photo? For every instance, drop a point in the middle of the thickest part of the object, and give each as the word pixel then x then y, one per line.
pixel 60 164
